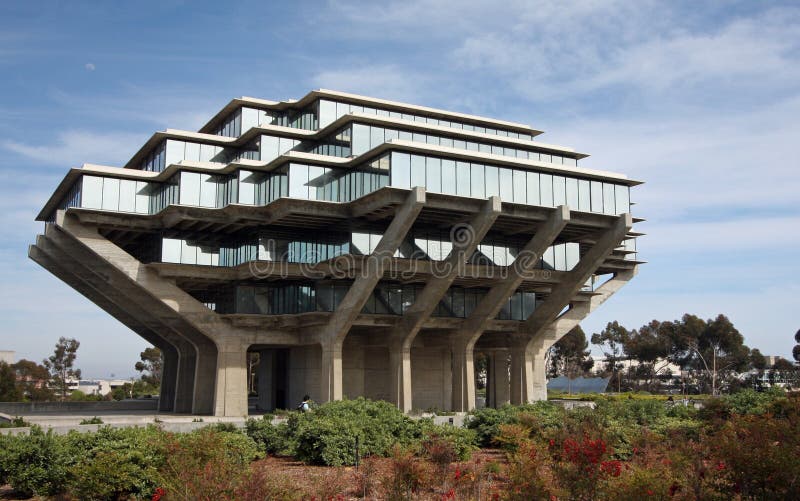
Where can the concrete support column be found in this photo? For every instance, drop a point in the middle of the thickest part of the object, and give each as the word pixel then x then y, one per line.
pixel 231 388
pixel 499 379
pixel 169 379
pixel 538 358
pixel 400 367
pixel 330 384
pixel 205 384
pixel 266 385
pixel 187 368
pixel 463 376
pixel 491 378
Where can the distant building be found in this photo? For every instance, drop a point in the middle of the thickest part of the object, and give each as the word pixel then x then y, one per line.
pixel 8 356
pixel 100 387
pixel 772 359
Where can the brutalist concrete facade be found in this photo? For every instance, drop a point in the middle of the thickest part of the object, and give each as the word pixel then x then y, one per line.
pixel 361 246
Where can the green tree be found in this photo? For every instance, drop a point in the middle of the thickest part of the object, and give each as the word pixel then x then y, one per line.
pixel 32 379
pixel 150 365
pixel 61 363
pixel 612 341
pixel 570 355
pixel 796 349
pixel 650 346
pixel 9 392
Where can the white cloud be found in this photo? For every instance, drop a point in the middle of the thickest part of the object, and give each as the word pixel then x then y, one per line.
pixel 75 147
pixel 89 66
pixel 387 81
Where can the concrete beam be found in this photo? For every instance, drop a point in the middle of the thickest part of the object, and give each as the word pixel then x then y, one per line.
pixel 464 341
pixel 465 240
pixel 333 334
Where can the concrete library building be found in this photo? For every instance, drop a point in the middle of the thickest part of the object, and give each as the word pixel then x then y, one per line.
pixel 362 247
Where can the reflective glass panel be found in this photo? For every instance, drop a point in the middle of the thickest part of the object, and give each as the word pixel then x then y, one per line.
pixel 401 170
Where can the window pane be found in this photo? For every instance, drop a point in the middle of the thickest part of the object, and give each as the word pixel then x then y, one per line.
pixel 546 181
pixel 560 257
pixel 506 185
pixel 533 188
pixel 584 198
pixel 375 136
pixel 190 188
pixel 269 148
pixel 360 243
pixel 478 181
pixel 433 174
pixel 327 112
pixel 401 170
pixel 573 254
pixel 572 193
pixel 622 195
pixel 192 152
pixel 417 170
pixel 462 179
pixel 608 198
pixel 110 194
pixel 175 151
pixel 247 187
pixel 597 196
pixel 316 182
pixel 171 250
pixel 360 139
pixel 208 190
pixel 298 181
pixel 559 191
pixel 142 197
pixel 520 187
pixel 449 177
pixel 127 195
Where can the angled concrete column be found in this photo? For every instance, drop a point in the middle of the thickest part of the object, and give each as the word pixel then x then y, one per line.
pixel 333 334
pixel 521 372
pixel 465 240
pixel 563 292
pixel 187 369
pixel 497 384
pixel 488 308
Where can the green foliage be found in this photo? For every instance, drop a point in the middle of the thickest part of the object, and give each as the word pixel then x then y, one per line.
pixel 446 440
pixel 750 401
pixel 273 439
pixel 93 420
pixel 79 396
pixel 487 421
pixel 327 435
pixel 16 422
pixel 33 464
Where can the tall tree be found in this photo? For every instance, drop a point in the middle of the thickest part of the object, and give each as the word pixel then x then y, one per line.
pixel 570 355
pixel 650 346
pixel 796 349
pixel 9 392
pixel 612 341
pixel 61 363
pixel 32 379
pixel 150 365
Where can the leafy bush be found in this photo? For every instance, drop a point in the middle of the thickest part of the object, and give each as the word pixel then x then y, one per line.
pixel 487 421
pixel 443 444
pixel 749 401
pixel 34 463
pixel 16 422
pixel 273 439
pixel 94 420
pixel 327 435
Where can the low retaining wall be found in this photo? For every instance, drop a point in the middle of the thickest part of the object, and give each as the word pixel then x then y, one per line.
pixel 32 408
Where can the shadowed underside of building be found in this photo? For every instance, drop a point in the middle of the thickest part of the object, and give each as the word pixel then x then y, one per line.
pixel 360 246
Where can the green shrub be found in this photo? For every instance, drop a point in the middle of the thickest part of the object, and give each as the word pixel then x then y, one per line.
pixel 440 441
pixel 327 435
pixel 94 420
pixel 486 422
pixel 749 401
pixel 34 463
pixel 16 422
pixel 273 439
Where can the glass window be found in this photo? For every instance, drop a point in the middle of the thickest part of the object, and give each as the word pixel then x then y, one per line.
pixel 462 179
pixel 376 136
pixel 208 190
pixel 548 260
pixel 188 253
pixel 401 170
pixel 417 170
pixel 110 194
pixel 175 151
pixel 249 118
pixel 492 181
pixel 572 193
pixel 142 197
pixel 127 195
pixel 520 187
pixel 506 185
pixel 449 177
pixel 560 257
pixel 316 182
pixel 247 187
pixel 597 196
pixel 327 112
pixel 298 181
pixel 584 198
pixel 192 152
pixel 206 152
pixel 534 197
pixel 360 139
pixel 622 199
pixel 404 135
pixel 269 148
pixel 190 188
pixel 478 181
pixel 360 243
pixel 545 157
pixel 608 198
pixel 546 189
pixel 433 174
pixel 559 191
pixel 390 134
pixel 171 250
pixel 573 255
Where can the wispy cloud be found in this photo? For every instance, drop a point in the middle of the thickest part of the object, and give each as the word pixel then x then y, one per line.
pixel 75 147
pixel 386 80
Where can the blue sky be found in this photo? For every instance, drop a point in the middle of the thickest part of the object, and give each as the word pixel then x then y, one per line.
pixel 701 101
